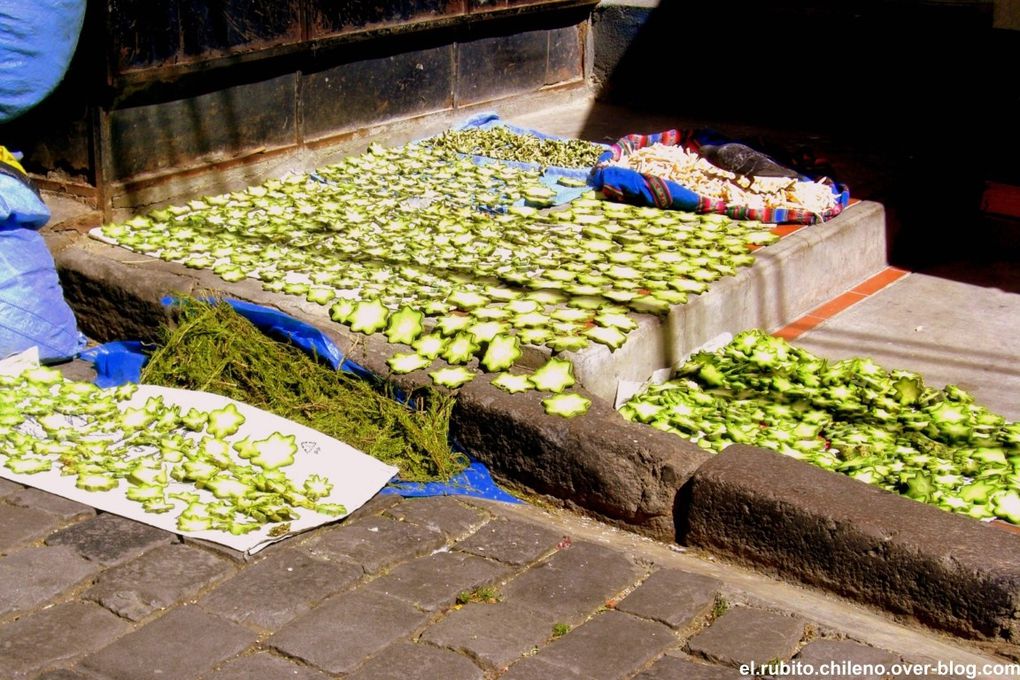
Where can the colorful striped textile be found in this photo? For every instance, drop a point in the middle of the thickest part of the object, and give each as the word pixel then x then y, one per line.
pixel 629 186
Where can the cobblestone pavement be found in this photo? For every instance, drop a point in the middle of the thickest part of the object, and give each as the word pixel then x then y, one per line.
pixel 443 588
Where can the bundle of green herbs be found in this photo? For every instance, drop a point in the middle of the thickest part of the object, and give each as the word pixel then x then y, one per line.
pixel 212 348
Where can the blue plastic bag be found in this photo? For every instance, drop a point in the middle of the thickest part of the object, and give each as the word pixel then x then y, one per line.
pixel 37 41
pixel 32 308
pixel 20 206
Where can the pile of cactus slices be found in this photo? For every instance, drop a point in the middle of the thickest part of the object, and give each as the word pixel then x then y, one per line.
pixel 441 255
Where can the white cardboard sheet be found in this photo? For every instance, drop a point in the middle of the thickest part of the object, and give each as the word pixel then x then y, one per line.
pixel 356 476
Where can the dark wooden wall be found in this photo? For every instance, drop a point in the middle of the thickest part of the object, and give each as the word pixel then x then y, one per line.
pixel 164 87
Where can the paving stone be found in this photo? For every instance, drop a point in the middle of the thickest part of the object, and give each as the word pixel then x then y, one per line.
pixel 264 666
pixel 22 525
pixel 534 668
pixel 511 541
pixel 54 635
pixel 110 539
pixel 403 660
pixel 673 597
pixel 338 634
pixel 181 645
pixel 161 577
pixel 65 674
pixel 572 583
pixel 494 634
pixel 33 576
pixel 279 588
pixel 440 513
pixel 745 634
pixel 236 556
pixel 375 505
pixel 375 543
pixel 63 508
pixel 7 487
pixel 610 645
pixel 672 668
pixel 822 652
pixel 435 581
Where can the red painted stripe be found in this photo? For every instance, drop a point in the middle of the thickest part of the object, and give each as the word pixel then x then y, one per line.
pixel 840 303
pixel 879 281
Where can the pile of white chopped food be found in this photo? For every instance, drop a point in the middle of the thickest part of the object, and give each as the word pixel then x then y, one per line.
pixel 687 168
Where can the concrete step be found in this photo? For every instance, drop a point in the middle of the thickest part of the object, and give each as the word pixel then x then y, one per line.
pixel 808 267
pixel 949 331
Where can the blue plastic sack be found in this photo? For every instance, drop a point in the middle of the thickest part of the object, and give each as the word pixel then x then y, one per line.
pixel 37 41
pixel 32 308
pixel 20 206
pixel 119 362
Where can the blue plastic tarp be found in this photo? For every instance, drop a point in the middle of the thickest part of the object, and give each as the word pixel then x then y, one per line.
pixel 116 362
pixel 119 362
pixel 475 481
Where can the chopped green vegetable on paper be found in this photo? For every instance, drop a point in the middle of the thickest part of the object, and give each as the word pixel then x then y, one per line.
pixel 225 421
pixel 274 451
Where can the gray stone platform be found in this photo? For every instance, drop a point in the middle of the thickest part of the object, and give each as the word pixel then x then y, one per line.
pixel 802 271
pixel 453 588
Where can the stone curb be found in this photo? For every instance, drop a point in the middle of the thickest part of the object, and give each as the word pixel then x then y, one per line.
pixel 828 530
pixel 622 472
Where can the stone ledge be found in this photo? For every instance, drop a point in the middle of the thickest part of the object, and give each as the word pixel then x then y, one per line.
pixel 797 274
pixel 825 529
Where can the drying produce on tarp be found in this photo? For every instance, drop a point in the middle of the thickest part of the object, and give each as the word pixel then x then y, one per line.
pixel 503 144
pixel 185 461
pixel 212 348
pixel 436 252
pixel 692 170
pixel 879 426
pixel 682 170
